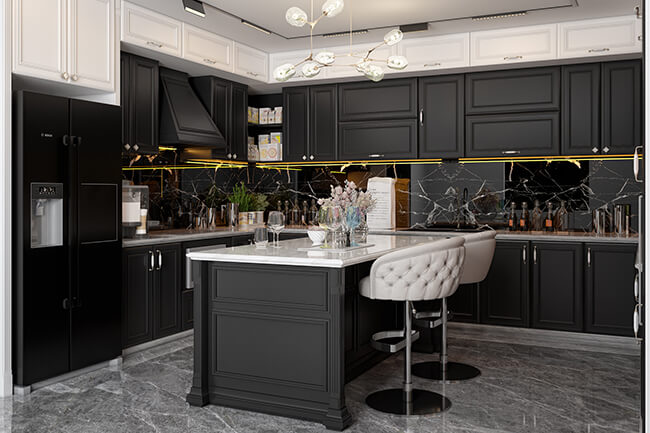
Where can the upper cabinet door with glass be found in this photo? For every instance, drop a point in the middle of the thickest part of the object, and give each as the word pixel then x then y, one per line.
pixel 599 37
pixel 207 48
pixel 251 63
pixel 438 52
pixel 520 44
pixel 151 30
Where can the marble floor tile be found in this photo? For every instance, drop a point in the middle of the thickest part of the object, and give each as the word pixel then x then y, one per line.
pixel 522 389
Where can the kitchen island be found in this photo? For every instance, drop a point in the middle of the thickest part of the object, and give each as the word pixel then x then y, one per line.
pixel 281 330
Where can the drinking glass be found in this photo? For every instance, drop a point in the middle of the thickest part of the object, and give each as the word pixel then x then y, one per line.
pixel 330 219
pixel 261 237
pixel 352 221
pixel 276 225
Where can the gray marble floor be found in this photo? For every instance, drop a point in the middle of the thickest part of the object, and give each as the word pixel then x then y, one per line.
pixel 522 389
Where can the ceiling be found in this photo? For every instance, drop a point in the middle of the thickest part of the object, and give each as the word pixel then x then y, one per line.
pixel 445 16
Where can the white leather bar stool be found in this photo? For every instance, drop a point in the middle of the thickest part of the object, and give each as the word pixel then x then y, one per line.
pixel 479 251
pixel 420 273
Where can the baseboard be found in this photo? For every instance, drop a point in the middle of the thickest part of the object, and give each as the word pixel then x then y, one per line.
pixel 158 342
pixel 542 337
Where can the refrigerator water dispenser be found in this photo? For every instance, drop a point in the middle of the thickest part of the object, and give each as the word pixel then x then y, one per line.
pixel 47 215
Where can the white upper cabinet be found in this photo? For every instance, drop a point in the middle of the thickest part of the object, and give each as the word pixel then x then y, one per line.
pixel 39 38
pixel 251 63
pixel 381 53
pixel 91 56
pixel 602 36
pixel 437 52
pixel 519 44
pixel 293 57
pixel 207 48
pixel 71 41
pixel 151 30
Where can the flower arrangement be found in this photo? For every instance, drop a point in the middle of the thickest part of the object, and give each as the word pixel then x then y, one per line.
pixel 348 195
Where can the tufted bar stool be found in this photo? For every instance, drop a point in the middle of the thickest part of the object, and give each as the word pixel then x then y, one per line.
pixel 421 273
pixel 479 251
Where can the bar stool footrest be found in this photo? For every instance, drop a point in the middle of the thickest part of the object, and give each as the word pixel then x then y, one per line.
pixel 391 346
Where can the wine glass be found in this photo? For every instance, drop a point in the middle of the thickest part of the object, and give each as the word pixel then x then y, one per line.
pixel 330 218
pixel 276 225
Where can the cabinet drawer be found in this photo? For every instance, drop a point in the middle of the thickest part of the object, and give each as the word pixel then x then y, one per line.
pixel 513 91
pixel 387 139
pixel 151 30
pixel 391 99
pixel 514 45
pixel 513 134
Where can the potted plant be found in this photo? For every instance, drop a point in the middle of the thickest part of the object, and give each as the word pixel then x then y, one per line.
pixel 259 205
pixel 242 198
pixel 213 199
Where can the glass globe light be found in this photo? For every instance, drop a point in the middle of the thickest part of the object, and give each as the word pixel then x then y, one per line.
pixel 393 37
pixel 296 17
pixel 375 73
pixel 325 57
pixel 397 62
pixel 284 72
pixel 310 69
pixel 332 8
pixel 362 66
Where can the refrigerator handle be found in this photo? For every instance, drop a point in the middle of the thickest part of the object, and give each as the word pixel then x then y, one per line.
pixel 73 198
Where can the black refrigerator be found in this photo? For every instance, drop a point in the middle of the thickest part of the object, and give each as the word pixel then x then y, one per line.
pixel 66 236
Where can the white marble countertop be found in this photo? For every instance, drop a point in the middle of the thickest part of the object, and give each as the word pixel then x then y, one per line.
pixel 291 253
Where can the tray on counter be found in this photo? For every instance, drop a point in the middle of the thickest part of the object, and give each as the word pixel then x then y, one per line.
pixel 335 250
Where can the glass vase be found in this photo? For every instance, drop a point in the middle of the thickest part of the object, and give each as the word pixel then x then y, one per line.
pixel 360 233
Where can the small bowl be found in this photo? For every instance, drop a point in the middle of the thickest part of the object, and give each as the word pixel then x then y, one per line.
pixel 317 236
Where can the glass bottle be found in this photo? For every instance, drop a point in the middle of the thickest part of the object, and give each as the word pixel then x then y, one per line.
pixel 295 214
pixel 287 212
pixel 313 213
pixel 305 213
pixel 537 218
pixel 562 218
pixel 279 206
pixel 548 222
pixel 524 219
pixel 512 217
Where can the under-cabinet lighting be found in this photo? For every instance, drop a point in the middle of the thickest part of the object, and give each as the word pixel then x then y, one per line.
pixel 166 148
pixel 194 7
pixel 256 27
pixel 497 16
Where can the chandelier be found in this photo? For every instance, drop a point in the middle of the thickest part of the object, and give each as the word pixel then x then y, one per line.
pixel 362 61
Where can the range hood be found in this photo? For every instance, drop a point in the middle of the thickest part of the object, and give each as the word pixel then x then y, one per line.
pixel 183 119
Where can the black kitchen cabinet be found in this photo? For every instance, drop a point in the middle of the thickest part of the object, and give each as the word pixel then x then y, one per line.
pixel 519 134
pixel 463 304
pixel 139 99
pixel 504 294
pixel 322 123
pixel 389 99
pixel 557 286
pixel 239 142
pixel 609 293
pixel 581 109
pixel 513 91
pixel 151 283
pixel 621 107
pixel 442 117
pixel 379 139
pixel 295 130
pixel 187 310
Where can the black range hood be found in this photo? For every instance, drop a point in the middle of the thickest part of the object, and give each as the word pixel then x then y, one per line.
pixel 183 119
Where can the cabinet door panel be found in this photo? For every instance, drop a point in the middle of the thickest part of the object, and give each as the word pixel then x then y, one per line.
pixel 390 99
pixel 513 134
pixel 464 304
pixel 187 310
pixel 581 109
pixel 437 52
pixel 92 43
pixel 143 100
pixel 239 133
pixel 504 292
pixel 167 291
pixel 514 45
pixel 137 283
pixel 40 38
pixel 609 293
pixel 442 117
pixel 207 48
pixel 603 36
pixel 386 139
pixel 151 30
pixel 557 286
pixel 251 63
pixel 295 135
pixel 621 90
pixel 322 123
pixel 536 89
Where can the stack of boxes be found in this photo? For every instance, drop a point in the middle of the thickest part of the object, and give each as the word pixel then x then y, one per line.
pixel 269 146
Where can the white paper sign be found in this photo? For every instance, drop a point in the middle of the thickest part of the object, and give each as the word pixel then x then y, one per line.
pixel 382 216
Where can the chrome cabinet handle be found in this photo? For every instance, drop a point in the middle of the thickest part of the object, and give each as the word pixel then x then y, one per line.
pixel 311 157
pixel 511 152
pixel 234 156
pixel 433 64
pixel 636 321
pixel 304 157
pixel 588 257
pixel 605 149
pixel 229 156
pixel 513 57
pixel 375 155
pixel 155 44
pixel 594 149
pixel 159 260
pixel 151 261
pixel 210 61
pixel 598 50
pixel 254 74
pixel 636 164
pixel 127 146
pixel 524 254
pixel 535 255
pixel 75 77
pixel 421 116
pixel 636 287
pixel 65 75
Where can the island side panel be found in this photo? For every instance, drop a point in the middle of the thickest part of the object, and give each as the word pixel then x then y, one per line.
pixel 198 395
pixel 275 340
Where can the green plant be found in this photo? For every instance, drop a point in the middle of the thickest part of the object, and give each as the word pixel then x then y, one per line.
pixel 214 197
pixel 241 197
pixel 259 202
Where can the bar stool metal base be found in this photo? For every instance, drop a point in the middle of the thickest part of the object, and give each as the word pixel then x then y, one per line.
pixel 456 371
pixel 423 402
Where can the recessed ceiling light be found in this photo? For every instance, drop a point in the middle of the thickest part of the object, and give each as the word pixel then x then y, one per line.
pixel 337 34
pixel 194 7
pixel 504 15
pixel 256 27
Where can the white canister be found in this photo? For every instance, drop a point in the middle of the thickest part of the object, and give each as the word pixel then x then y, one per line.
pixel 243 218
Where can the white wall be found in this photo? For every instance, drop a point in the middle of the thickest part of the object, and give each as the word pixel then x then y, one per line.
pixel 5 199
